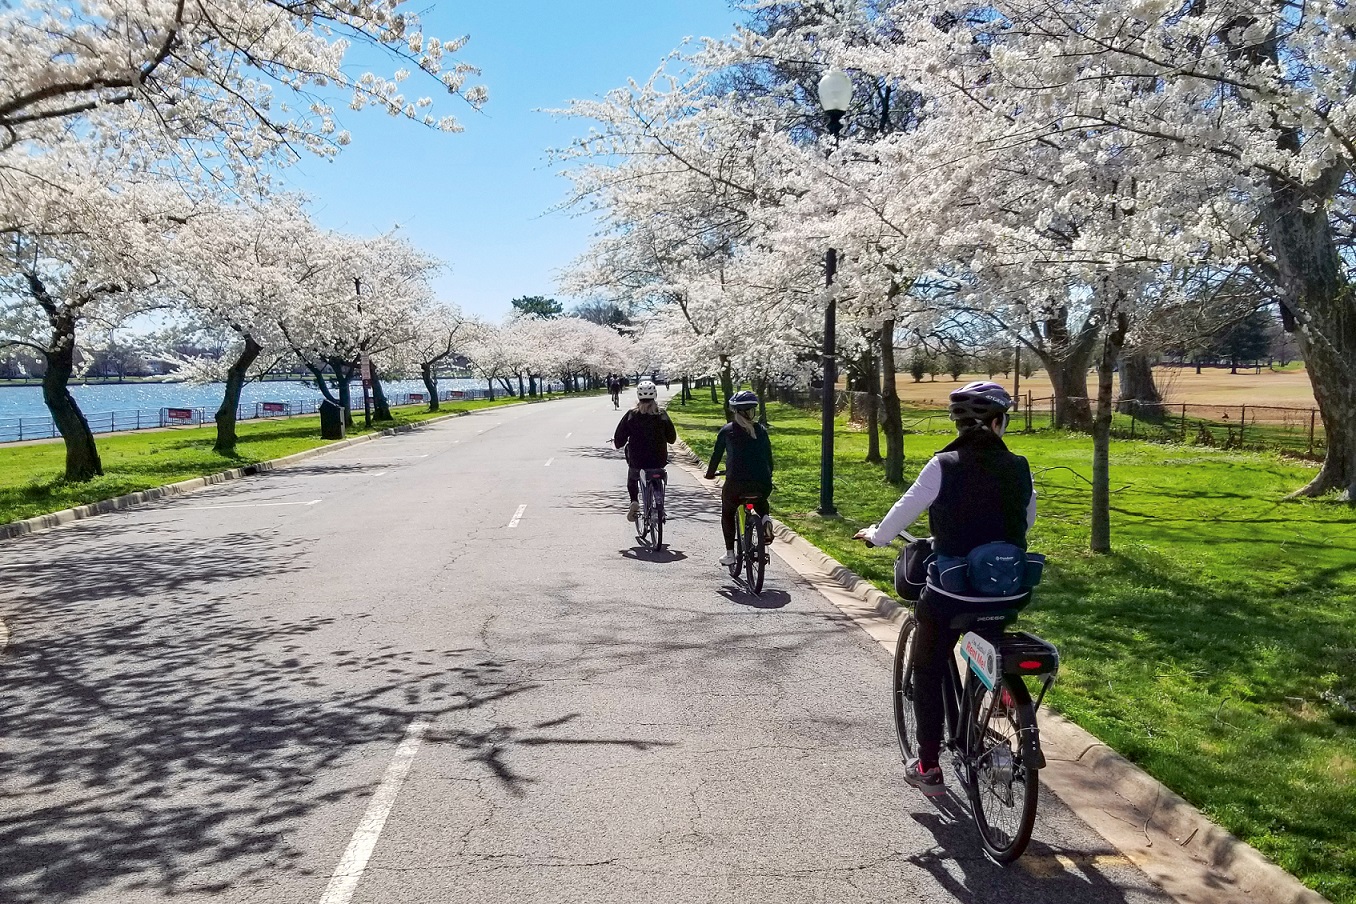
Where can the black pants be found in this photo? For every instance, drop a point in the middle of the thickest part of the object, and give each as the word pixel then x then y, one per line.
pixel 934 652
pixel 633 480
pixel 730 495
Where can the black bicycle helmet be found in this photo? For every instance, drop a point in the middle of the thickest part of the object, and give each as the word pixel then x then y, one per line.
pixel 743 399
pixel 981 401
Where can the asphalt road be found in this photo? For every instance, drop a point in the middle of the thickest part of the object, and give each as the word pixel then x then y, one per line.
pixel 437 668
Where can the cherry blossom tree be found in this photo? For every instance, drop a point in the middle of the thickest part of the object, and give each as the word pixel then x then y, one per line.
pixel 84 251
pixel 237 75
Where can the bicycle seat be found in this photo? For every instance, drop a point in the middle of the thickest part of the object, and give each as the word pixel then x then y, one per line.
pixel 993 620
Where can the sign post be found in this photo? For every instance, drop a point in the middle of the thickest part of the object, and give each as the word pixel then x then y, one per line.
pixel 367 390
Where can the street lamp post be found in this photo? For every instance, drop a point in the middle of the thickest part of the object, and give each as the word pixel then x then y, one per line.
pixel 835 94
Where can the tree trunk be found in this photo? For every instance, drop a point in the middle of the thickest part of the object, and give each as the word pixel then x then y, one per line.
pixel 726 382
pixel 82 456
pixel 431 384
pixel 893 424
pixel 715 400
pixel 1067 355
pixel 1139 394
pixel 490 383
pixel 872 374
pixel 1322 308
pixel 381 409
pixel 343 378
pixel 762 400
pixel 1101 435
pixel 230 402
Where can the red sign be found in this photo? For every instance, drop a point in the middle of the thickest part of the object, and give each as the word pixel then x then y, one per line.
pixel 416 397
pixel 275 407
pixel 456 394
pixel 179 414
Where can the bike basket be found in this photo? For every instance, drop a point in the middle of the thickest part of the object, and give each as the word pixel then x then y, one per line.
pixel 911 569
pixel 1026 654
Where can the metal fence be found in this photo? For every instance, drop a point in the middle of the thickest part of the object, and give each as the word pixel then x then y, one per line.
pixel 1294 430
pixel 13 430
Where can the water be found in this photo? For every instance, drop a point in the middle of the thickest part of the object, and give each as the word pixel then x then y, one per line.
pixel 26 401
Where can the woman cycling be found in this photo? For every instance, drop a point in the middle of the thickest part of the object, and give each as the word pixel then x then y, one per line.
pixel 645 431
pixel 975 491
pixel 748 472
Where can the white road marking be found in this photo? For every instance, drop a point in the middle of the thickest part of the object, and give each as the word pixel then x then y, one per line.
pixel 21 565
pixel 226 505
pixel 548 461
pixel 570 434
pixel 518 515
pixel 351 866
pixel 381 473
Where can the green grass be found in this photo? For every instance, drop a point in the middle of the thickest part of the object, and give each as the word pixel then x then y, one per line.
pixel 31 481
pixel 1216 647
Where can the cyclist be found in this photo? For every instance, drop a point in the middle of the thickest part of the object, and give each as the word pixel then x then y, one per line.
pixel 748 471
pixel 614 387
pixel 646 432
pixel 975 491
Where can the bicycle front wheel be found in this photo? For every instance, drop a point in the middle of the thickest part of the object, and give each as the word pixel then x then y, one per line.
pixel 906 719
pixel 1003 787
pixel 756 560
pixel 741 545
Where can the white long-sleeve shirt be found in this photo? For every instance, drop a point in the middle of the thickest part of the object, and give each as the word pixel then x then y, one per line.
pixel 916 501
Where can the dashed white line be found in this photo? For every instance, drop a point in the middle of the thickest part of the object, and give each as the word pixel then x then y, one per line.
pixel 570 434
pixel 230 505
pixel 548 461
pixel 381 473
pixel 518 515
pixel 351 866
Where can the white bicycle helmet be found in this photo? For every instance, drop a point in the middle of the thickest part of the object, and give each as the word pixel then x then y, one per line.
pixel 980 401
pixel 646 391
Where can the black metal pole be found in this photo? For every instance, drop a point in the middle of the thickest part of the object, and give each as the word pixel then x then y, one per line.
pixel 826 506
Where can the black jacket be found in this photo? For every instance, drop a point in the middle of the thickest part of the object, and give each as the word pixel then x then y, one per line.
pixel 646 438
pixel 750 457
pixel 984 495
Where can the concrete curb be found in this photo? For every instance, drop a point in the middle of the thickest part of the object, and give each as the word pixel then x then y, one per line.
pixel 118 503
pixel 1175 844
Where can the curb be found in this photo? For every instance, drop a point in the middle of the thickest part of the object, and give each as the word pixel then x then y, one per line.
pixel 1173 843
pixel 118 503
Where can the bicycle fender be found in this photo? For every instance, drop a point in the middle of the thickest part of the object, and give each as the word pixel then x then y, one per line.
pixel 1031 739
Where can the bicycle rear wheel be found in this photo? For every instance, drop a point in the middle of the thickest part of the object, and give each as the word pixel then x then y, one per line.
pixel 906 719
pixel 756 559
pixel 658 526
pixel 1003 787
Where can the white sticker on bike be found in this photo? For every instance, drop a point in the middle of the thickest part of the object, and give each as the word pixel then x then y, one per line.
pixel 982 657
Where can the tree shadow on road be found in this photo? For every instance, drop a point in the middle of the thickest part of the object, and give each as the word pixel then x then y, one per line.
pixel 170 717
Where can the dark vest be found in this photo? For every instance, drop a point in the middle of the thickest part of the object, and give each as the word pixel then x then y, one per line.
pixel 984 495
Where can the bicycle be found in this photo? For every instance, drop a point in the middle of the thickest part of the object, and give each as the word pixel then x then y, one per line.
pixel 650 521
pixel 751 553
pixel 990 719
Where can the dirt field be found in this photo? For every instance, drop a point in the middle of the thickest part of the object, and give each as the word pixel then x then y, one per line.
pixel 1215 386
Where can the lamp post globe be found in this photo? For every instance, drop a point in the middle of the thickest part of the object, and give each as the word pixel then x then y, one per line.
pixel 835 95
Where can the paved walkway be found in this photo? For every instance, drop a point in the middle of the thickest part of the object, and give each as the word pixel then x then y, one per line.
pixel 436 668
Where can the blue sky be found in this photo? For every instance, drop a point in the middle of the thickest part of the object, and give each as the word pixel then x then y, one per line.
pixel 481 199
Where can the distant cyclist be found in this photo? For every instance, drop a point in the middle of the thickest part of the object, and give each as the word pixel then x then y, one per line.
pixel 645 431
pixel 975 491
pixel 748 471
pixel 614 388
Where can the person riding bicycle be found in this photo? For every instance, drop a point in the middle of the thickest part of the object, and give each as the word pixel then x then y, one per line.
pixel 975 491
pixel 748 472
pixel 614 388
pixel 645 431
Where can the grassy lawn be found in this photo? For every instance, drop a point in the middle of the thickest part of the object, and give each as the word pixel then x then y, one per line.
pixel 30 475
pixel 1216 647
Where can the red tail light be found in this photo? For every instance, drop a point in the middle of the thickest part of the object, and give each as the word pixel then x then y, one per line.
pixel 1031 665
